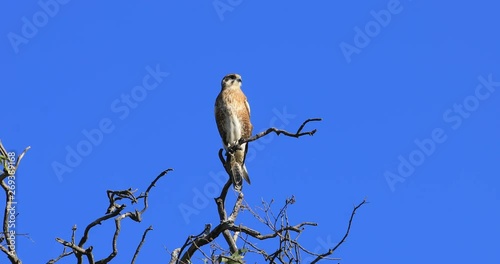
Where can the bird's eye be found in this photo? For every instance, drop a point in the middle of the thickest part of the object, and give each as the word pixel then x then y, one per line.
pixel 231 78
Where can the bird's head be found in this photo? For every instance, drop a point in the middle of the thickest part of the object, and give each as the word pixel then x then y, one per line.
pixel 231 80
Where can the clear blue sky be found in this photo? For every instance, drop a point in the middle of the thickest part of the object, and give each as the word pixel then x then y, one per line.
pixel 409 93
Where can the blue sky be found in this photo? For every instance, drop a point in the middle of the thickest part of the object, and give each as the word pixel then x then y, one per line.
pixel 408 90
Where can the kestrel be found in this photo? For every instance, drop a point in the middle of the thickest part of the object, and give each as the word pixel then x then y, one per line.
pixel 232 114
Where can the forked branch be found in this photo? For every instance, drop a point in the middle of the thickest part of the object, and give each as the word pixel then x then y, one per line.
pixel 278 132
pixel 114 210
pixel 227 220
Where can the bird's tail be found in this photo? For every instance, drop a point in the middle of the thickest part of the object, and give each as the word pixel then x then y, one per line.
pixel 245 174
pixel 239 172
pixel 239 169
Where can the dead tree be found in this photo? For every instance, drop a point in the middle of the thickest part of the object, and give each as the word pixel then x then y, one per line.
pixel 116 211
pixel 73 247
pixel 289 249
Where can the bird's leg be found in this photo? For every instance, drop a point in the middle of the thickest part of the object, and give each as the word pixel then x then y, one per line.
pixel 231 147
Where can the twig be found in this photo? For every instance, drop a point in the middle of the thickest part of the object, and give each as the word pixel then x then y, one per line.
pixel 153 184
pixel 63 255
pixel 141 243
pixel 191 239
pixel 98 221
pixel 257 249
pixel 297 134
pixel 229 153
pixel 3 152
pixel 330 251
pixel 256 234
pixel 201 241
pixel 74 247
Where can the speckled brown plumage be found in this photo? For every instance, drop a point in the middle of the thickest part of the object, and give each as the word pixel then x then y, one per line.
pixel 232 114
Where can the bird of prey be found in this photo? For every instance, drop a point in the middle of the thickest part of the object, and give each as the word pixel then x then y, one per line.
pixel 232 114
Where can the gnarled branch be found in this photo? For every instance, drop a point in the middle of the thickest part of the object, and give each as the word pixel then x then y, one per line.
pixel 114 210
pixel 227 221
pixel 278 132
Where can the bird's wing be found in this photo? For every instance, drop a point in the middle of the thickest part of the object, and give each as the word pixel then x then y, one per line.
pixel 220 119
pixel 247 106
pixel 248 132
pixel 248 123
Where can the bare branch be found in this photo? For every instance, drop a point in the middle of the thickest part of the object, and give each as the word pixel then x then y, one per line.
pixel 10 248
pixel 256 249
pixel 174 256
pixel 256 234
pixel 63 255
pixel 4 153
pixel 227 223
pixel 236 207
pixel 231 242
pixel 141 243
pixel 153 184
pixel 203 240
pixel 113 253
pixel 278 132
pixel 71 245
pixel 98 221
pixel 330 251
pixel 229 157
pixel 114 211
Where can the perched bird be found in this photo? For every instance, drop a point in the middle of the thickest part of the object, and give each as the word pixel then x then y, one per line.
pixel 232 114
